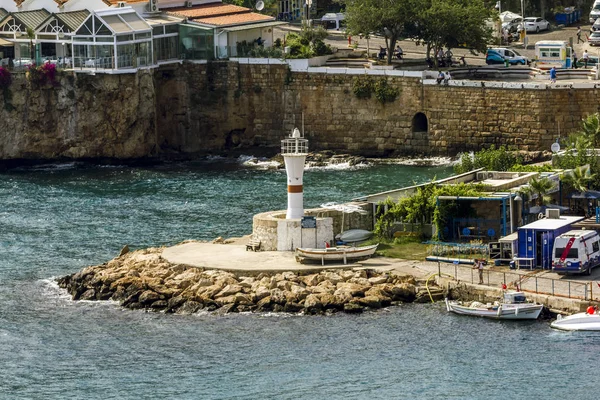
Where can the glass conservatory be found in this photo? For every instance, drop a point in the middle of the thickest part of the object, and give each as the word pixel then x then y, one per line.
pixel 113 39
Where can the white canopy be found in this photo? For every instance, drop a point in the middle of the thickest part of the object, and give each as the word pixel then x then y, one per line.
pixel 508 16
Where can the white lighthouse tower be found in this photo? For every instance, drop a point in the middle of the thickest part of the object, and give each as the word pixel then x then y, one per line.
pixel 294 150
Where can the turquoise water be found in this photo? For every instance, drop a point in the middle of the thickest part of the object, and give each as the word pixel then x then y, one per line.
pixel 56 220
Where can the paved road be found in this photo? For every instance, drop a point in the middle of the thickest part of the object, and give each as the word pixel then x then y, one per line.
pixel 414 51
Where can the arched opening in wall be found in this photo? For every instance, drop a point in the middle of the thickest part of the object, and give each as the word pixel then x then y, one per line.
pixel 419 123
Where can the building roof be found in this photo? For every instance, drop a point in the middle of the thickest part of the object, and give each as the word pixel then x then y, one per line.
pixel 218 14
pixel 259 25
pixel 3 13
pixel 115 2
pixel 31 19
pixel 72 19
pixel 548 224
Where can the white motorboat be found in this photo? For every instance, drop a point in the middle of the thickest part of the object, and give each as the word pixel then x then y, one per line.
pixel 577 322
pixel 513 306
pixel 335 253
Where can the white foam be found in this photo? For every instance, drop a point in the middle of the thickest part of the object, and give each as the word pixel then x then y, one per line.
pixel 426 161
pixel 343 166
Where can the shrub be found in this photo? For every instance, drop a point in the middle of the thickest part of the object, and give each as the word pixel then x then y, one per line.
pixel 5 78
pixel 492 159
pixel 42 75
pixel 384 92
pixel 362 87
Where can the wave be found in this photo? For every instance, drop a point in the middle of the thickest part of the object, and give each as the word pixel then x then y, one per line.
pixel 419 162
pixel 342 166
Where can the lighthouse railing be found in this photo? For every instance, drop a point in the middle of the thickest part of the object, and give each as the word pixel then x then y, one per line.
pixel 294 146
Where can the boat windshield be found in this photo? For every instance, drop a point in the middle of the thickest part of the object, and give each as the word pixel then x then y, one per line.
pixel 519 298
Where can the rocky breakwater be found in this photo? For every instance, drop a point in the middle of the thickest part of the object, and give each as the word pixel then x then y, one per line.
pixel 144 280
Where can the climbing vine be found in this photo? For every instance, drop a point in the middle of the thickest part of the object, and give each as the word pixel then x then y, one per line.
pixel 5 82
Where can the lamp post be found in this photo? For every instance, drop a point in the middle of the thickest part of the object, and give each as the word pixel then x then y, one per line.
pixel 523 24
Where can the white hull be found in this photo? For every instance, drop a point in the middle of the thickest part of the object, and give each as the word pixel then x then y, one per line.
pixel 578 322
pixel 503 311
pixel 336 253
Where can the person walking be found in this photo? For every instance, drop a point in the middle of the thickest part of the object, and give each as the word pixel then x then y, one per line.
pixel 579 39
pixel 553 75
pixel 574 60
pixel 586 57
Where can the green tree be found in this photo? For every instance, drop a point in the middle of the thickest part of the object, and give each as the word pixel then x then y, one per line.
pixel 590 127
pixel 31 36
pixel 540 187
pixel 392 19
pixel 454 23
pixel 579 179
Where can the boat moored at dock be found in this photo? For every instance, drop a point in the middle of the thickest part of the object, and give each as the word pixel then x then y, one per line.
pixel 586 321
pixel 513 306
pixel 335 253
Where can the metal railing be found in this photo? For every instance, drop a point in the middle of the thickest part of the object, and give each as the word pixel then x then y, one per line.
pixel 528 281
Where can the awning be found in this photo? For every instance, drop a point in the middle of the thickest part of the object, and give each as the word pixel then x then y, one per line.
pixel 6 43
pixel 542 209
pixel 253 26
pixel 590 194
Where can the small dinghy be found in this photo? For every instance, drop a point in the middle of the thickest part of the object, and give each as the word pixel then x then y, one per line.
pixel 354 236
pixel 513 306
pixel 586 321
pixel 335 253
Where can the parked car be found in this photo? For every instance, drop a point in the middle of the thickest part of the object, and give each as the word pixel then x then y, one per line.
pixel 592 62
pixel 594 38
pixel 595 26
pixel 512 25
pixel 499 54
pixel 536 24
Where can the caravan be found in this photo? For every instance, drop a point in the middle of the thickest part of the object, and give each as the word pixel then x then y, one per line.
pixel 576 251
pixel 553 53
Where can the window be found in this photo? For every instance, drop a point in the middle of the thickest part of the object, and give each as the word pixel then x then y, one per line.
pixel 573 253
pixel 596 246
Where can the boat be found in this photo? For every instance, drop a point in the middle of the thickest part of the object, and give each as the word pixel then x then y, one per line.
pixel 513 306
pixel 585 321
pixel 340 253
pixel 354 235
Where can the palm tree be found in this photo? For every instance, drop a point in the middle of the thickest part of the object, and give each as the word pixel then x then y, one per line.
pixel 539 187
pixel 579 178
pixel 591 127
pixel 31 36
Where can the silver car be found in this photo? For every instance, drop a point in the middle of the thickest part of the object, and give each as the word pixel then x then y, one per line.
pixel 594 38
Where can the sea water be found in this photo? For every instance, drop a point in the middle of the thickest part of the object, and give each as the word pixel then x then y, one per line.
pixel 55 220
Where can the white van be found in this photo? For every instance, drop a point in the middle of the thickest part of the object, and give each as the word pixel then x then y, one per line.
pixel 576 251
pixel 595 11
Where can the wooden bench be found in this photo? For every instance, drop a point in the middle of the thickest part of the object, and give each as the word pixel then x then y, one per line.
pixel 253 244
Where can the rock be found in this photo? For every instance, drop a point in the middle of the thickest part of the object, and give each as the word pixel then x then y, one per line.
pixel 333 277
pixel 261 292
pixel 313 304
pixel 190 307
pixel 404 291
pixel 174 303
pixel 352 288
pixel 219 240
pixel 378 280
pixel 360 273
pixel 284 285
pixel 369 301
pixel 264 304
pixel 226 309
pixel 89 294
pixel 242 299
pixel 124 251
pixel 329 301
pixel 360 281
pixel 353 308
pixel 159 305
pixel 277 296
pixel 299 292
pixel 221 301
pixel 148 297
pixel 310 280
pixel 229 290
pixel 292 307
pixel 209 292
pixel 247 282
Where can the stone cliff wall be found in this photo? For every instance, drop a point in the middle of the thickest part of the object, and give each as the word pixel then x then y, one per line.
pixel 81 117
pixel 193 109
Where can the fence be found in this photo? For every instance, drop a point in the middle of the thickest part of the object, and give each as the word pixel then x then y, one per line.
pixel 526 281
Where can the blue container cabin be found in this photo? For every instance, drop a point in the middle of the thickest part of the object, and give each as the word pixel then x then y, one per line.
pixel 536 240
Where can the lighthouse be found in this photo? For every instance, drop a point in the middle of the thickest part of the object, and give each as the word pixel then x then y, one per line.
pixel 294 150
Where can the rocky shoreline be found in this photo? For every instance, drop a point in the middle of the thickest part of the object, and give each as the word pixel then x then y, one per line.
pixel 144 280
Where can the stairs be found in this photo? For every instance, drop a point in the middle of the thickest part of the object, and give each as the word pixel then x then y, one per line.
pixel 347 62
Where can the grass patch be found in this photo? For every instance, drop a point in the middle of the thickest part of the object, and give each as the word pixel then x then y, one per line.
pixel 405 247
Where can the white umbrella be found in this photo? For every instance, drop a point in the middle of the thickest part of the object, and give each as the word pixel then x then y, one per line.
pixel 508 16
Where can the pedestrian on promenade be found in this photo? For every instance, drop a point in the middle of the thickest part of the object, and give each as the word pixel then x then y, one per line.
pixel 579 35
pixel 553 75
pixel 586 57
pixel 478 265
pixel 574 60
